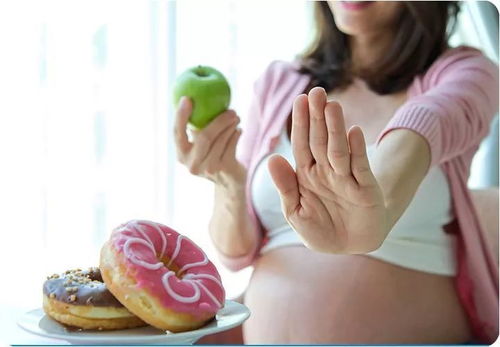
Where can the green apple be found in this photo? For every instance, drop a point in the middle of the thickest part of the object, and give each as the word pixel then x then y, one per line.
pixel 208 90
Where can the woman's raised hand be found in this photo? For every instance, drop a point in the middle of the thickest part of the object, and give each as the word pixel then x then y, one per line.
pixel 212 154
pixel 332 198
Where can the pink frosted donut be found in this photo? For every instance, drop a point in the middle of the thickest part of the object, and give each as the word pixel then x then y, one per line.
pixel 161 276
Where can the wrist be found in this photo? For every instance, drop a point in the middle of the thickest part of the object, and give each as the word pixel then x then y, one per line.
pixel 390 216
pixel 234 182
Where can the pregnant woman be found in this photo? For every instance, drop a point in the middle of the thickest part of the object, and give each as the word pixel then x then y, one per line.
pixel 347 191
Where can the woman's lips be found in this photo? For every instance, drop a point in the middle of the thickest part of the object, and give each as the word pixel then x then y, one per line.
pixel 355 5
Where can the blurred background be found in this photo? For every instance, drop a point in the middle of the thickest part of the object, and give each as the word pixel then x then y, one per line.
pixel 86 119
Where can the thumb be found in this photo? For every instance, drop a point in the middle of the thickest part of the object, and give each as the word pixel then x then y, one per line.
pixel 184 108
pixel 285 180
pixel 183 113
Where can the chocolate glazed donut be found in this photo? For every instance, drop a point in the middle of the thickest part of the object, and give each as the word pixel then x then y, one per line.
pixel 79 298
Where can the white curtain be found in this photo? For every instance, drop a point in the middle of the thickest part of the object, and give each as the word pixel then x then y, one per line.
pixel 86 120
pixel 478 27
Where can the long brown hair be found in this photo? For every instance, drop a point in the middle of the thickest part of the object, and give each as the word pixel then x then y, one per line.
pixel 423 31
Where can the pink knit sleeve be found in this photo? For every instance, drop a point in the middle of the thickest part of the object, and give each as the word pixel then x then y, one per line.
pixel 455 109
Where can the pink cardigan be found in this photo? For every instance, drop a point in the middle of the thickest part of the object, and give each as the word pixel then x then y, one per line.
pixel 451 106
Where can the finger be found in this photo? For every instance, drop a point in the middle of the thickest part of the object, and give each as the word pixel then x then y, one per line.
pixel 300 132
pixel 205 138
pixel 212 161
pixel 285 180
pixel 338 148
pixel 230 152
pixel 183 113
pixel 318 135
pixel 360 165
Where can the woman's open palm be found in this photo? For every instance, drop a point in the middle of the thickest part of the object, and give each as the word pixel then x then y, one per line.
pixel 332 198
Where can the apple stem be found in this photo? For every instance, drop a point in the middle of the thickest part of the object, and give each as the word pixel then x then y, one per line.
pixel 200 71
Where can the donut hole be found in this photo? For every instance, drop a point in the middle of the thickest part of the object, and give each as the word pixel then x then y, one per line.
pixel 172 267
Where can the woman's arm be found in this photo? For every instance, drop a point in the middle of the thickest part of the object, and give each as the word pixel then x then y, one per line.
pixel 233 228
pixel 334 200
pixel 454 111
pixel 230 227
pixel 400 163
pixel 449 118
pixel 212 155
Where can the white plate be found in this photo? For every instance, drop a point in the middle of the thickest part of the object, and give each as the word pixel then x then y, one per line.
pixel 37 322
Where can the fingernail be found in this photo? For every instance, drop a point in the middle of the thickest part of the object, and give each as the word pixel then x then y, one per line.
pixel 183 102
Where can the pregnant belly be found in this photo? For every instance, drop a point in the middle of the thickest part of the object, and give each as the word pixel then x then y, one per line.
pixel 299 296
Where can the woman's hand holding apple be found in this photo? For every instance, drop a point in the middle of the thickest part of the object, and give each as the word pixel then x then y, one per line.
pixel 201 95
pixel 212 153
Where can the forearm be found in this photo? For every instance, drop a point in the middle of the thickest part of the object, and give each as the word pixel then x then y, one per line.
pixel 401 162
pixel 231 229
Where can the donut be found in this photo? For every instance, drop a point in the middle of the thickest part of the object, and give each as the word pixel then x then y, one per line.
pixel 161 276
pixel 80 299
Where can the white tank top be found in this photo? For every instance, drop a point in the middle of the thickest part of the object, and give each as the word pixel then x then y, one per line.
pixel 417 241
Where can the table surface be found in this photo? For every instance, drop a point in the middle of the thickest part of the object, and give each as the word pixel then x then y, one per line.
pixel 11 333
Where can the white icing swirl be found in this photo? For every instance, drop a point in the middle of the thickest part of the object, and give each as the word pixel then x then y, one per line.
pixel 185 299
pixel 176 250
pixel 161 233
pixel 189 266
pixel 196 277
pixel 131 256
